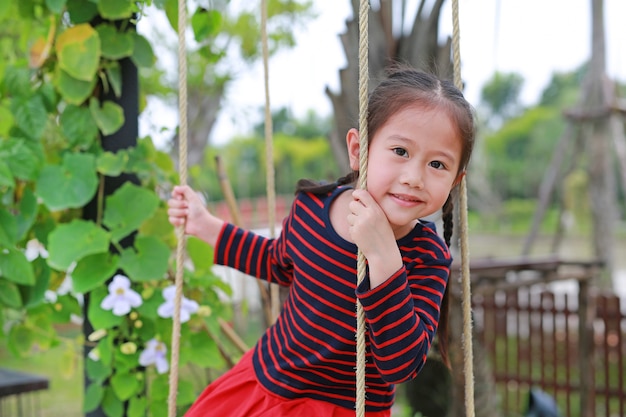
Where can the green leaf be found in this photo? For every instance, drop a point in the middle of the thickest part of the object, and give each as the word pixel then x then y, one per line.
pixel 127 208
pixel 34 295
pixel 70 242
pixel 124 385
pixel 112 164
pixel 70 185
pixel 78 126
pixel 186 394
pixel 137 407
pixel 93 397
pixel 203 351
pixel 6 177
pixel 81 11
pixel 6 120
pixel 201 253
pixel 21 158
pixel 73 90
pixel 4 8
pixel 206 23
pixel 56 6
pixel 143 55
pixel 148 260
pixel 111 405
pixel 21 338
pixel 27 214
pixel 115 44
pixel 157 225
pixel 78 51
pixel 8 229
pixel 115 9
pixel 92 271
pixel 15 267
pixel 96 370
pixel 114 75
pixel 9 294
pixel 109 117
pixel 30 116
pixel 17 81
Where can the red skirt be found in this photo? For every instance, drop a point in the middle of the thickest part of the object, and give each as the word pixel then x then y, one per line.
pixel 237 393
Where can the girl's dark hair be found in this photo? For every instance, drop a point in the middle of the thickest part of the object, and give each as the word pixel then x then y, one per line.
pixel 404 87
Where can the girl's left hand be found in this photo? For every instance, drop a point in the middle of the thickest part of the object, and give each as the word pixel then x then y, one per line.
pixel 372 233
pixel 368 224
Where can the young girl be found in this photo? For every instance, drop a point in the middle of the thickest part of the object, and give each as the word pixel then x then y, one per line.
pixel 421 132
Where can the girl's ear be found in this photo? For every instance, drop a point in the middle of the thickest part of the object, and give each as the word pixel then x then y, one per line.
pixel 352 141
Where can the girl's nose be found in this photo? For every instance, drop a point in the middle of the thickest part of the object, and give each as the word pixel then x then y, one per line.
pixel 414 178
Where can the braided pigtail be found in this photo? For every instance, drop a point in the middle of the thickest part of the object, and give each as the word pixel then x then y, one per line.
pixel 444 316
pixel 316 187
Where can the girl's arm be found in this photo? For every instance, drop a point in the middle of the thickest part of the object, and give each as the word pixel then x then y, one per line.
pixel 238 248
pixel 403 313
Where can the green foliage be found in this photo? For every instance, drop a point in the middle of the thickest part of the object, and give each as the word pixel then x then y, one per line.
pixel 53 116
pixel 245 165
pixel 518 153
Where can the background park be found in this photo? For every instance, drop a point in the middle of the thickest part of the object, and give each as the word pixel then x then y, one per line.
pixel 88 156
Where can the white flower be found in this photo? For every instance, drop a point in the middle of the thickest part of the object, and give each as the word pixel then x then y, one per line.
pixel 187 307
pixel 155 354
pixel 35 249
pixel 121 297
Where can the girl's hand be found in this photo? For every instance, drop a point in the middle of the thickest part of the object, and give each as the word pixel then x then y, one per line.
pixel 371 232
pixel 185 207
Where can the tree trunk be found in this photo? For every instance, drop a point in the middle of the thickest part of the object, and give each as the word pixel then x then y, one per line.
pixel 601 174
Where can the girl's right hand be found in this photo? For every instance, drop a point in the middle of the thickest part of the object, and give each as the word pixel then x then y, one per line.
pixel 186 208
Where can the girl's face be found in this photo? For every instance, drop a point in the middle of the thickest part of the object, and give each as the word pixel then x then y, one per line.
pixel 413 164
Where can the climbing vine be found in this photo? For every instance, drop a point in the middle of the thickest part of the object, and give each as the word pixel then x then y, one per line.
pixel 60 77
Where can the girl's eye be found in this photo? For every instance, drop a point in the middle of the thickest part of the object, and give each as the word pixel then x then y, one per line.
pixel 437 165
pixel 400 151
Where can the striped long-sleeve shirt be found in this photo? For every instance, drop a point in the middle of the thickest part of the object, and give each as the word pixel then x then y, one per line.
pixel 311 349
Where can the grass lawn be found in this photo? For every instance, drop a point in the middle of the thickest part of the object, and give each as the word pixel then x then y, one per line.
pixel 62 365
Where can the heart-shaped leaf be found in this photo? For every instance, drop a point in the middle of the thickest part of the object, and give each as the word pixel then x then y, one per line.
pixel 30 116
pixel 78 126
pixel 109 117
pixel 15 267
pixel 115 44
pixel 92 271
pixel 147 261
pixel 20 158
pixel 115 9
pixel 73 90
pixel 70 242
pixel 127 208
pixel 70 185
pixel 78 50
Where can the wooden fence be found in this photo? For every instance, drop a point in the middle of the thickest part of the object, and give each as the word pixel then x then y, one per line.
pixel 543 325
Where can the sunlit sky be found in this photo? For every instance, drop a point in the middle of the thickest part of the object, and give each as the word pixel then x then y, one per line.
pixel 532 37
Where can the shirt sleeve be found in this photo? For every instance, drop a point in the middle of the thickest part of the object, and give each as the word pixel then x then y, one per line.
pixel 402 313
pixel 253 254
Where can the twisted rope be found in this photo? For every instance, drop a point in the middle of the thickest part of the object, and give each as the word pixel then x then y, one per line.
pixel 468 359
pixel 180 231
pixel 269 155
pixel 361 389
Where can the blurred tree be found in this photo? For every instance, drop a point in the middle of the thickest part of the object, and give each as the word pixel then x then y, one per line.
pixel 225 42
pixel 501 96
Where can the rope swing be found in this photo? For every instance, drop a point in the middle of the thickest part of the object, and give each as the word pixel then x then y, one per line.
pixel 468 358
pixel 180 230
pixel 362 183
